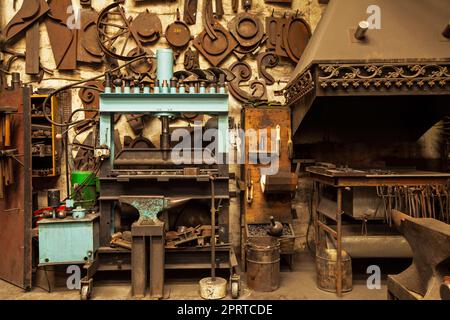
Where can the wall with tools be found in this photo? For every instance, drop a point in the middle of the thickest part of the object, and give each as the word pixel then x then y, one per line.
pixel 211 64
pixel 54 69
pixel 245 61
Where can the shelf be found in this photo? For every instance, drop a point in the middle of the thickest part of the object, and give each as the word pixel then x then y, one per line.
pixel 39 156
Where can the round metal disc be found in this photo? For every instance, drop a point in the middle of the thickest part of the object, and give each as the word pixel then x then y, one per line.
pixel 178 34
pixel 247 28
pixel 215 47
pixel 147 26
pixel 142 66
pixel 296 37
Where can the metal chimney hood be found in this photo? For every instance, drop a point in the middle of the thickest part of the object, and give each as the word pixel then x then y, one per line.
pixel 391 80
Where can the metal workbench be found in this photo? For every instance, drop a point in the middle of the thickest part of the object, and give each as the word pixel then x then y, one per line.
pixel 345 179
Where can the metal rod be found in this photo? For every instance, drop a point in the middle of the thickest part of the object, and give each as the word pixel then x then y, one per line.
pixel 339 243
pixel 360 32
pixel 165 136
pixel 213 231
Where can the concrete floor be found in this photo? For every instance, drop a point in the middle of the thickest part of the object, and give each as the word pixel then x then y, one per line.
pixel 297 284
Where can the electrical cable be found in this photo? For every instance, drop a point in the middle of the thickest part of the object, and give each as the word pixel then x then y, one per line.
pixel 71 86
pixel 69 124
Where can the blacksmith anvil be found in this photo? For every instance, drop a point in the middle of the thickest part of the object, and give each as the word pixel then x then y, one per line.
pixel 429 240
pixel 149 207
pixel 148 236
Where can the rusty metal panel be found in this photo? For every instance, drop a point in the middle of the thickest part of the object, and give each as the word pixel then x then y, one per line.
pixel 424 24
pixel 63 40
pixel 15 208
pixel 265 205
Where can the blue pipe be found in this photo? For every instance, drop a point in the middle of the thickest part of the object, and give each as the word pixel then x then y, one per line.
pixel 165 65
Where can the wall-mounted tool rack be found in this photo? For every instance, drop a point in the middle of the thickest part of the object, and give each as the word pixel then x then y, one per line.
pixel 259 204
pixel 16 203
pixel 44 146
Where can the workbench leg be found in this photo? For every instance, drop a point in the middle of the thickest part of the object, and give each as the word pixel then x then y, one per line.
pixel 105 223
pixel 316 216
pixel 224 222
pixel 157 267
pixel 138 267
pixel 339 243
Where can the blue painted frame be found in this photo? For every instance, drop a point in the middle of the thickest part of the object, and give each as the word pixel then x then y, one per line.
pixel 215 104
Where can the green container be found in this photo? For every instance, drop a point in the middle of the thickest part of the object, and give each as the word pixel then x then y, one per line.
pixel 87 197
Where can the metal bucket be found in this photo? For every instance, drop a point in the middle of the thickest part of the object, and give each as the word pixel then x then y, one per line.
pixel 326 270
pixel 263 264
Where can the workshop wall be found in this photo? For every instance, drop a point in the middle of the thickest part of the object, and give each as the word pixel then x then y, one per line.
pixel 166 11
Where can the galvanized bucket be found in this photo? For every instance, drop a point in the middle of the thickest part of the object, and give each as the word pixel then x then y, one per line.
pixel 263 264
pixel 326 270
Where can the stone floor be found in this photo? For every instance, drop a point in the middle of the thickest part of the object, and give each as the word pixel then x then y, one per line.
pixel 297 284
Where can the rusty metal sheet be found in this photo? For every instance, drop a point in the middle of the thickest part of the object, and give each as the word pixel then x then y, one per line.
pixel 274 30
pixel 215 50
pixel 242 72
pixel 296 35
pixel 29 13
pixel 136 122
pixel 219 9
pixel 142 143
pixel 142 67
pixel 32 50
pixel 84 160
pixel 191 59
pixel 147 26
pixel 263 206
pixel 63 40
pixel 247 29
pixel 91 97
pixel 178 34
pixel 215 42
pixel 190 11
pixel 15 208
pixel 88 48
pixel 265 60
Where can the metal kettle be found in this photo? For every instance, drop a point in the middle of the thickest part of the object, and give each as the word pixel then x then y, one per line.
pixel 276 228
